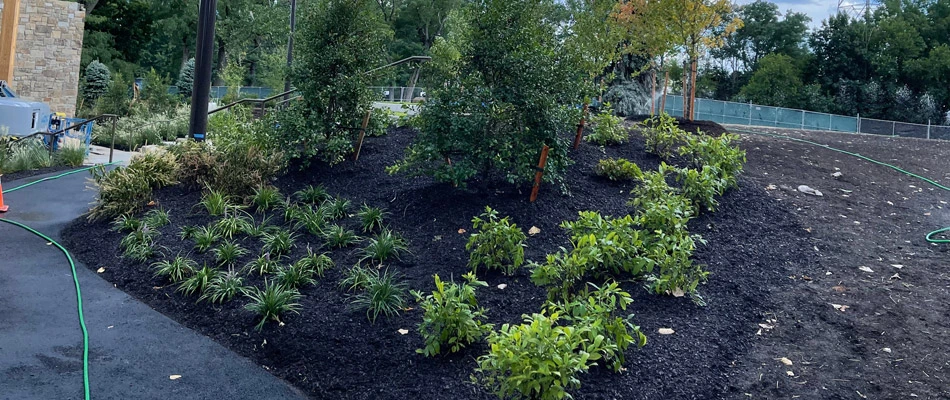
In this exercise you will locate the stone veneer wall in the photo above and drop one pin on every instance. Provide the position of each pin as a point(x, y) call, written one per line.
point(48, 53)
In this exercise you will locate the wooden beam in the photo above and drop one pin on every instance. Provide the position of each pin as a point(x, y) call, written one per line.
point(8, 30)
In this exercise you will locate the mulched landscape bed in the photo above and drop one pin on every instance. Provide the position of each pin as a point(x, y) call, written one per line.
point(34, 172)
point(329, 351)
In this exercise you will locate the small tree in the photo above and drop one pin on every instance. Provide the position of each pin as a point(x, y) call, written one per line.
point(154, 94)
point(95, 82)
point(697, 25)
point(186, 78)
point(507, 99)
point(116, 99)
point(339, 41)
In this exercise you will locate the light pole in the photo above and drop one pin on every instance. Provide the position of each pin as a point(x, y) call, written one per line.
point(290, 44)
point(201, 90)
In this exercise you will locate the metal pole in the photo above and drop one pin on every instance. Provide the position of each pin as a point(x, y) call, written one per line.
point(290, 45)
point(803, 120)
point(198, 125)
point(893, 128)
point(859, 123)
point(750, 113)
point(112, 146)
point(928, 129)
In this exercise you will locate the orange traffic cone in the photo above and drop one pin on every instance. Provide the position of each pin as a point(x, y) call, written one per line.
point(3, 208)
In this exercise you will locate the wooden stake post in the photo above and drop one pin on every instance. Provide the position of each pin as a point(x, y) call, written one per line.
point(11, 20)
point(540, 173)
point(359, 142)
point(666, 82)
point(580, 129)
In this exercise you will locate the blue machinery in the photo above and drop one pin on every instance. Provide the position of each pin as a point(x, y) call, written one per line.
point(23, 118)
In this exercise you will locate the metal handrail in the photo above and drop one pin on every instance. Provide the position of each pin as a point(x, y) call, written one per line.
point(252, 101)
point(71, 127)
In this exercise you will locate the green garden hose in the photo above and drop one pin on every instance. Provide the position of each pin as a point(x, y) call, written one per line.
point(930, 236)
point(72, 266)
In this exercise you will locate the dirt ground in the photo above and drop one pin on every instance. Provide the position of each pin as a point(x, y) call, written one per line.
point(779, 259)
point(892, 340)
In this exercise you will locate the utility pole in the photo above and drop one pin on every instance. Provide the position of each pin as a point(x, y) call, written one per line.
point(201, 91)
point(290, 45)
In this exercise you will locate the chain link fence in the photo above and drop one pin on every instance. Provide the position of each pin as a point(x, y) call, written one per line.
point(727, 112)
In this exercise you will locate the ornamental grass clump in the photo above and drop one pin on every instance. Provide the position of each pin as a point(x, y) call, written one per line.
point(271, 302)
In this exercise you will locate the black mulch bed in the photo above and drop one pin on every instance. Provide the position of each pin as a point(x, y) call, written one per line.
point(330, 351)
point(34, 172)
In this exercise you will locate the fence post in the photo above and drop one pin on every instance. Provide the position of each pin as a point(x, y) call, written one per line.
point(750, 113)
point(803, 119)
point(829, 123)
point(928, 129)
point(859, 123)
point(893, 128)
point(540, 171)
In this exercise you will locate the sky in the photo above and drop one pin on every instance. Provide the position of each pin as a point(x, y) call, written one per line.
point(818, 10)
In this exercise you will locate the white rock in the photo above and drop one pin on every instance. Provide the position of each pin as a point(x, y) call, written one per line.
point(808, 190)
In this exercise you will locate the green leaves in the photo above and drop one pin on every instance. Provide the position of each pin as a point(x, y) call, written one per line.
point(618, 169)
point(501, 102)
point(271, 302)
point(662, 135)
point(608, 128)
point(452, 318)
point(497, 244)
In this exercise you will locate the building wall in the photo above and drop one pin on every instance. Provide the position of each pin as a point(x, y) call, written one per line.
point(48, 52)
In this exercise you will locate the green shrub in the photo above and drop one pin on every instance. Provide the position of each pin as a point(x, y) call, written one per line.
point(384, 246)
point(295, 275)
point(337, 209)
point(263, 264)
point(228, 253)
point(337, 236)
point(231, 226)
point(662, 134)
point(266, 198)
point(198, 282)
point(70, 155)
point(205, 238)
point(719, 153)
point(197, 162)
point(139, 244)
point(224, 287)
point(601, 246)
point(156, 218)
point(538, 359)
point(371, 218)
point(618, 169)
point(23, 155)
point(318, 263)
point(357, 278)
point(214, 202)
point(187, 232)
point(497, 244)
point(175, 270)
point(241, 167)
point(313, 194)
point(608, 128)
point(382, 294)
point(314, 220)
point(186, 78)
point(380, 120)
point(271, 302)
point(661, 208)
point(126, 223)
point(127, 190)
point(701, 186)
point(279, 242)
point(451, 318)
point(596, 313)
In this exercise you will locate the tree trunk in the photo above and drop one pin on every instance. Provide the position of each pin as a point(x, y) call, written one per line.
point(185, 53)
point(221, 63)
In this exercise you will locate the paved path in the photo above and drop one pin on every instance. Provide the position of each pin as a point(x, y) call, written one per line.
point(133, 349)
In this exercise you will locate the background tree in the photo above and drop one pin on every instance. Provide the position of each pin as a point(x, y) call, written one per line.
point(776, 82)
point(95, 82)
point(186, 79)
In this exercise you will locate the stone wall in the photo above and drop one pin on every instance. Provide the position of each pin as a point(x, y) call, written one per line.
point(48, 52)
